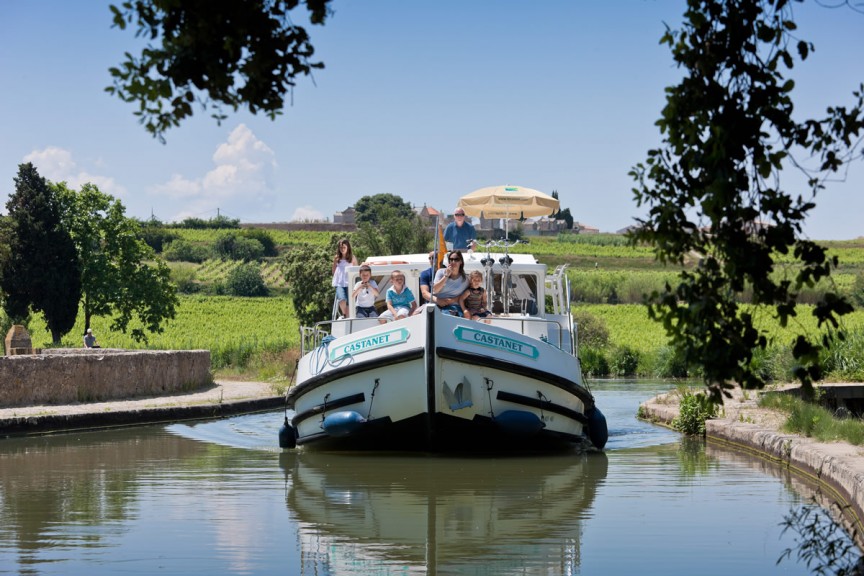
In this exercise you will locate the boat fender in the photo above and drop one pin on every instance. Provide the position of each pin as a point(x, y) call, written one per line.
point(287, 435)
point(343, 423)
point(598, 430)
point(519, 422)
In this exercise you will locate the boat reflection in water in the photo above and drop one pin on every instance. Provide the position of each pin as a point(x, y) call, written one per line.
point(427, 515)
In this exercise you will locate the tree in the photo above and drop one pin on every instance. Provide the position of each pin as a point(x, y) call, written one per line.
point(219, 53)
point(728, 132)
point(308, 274)
point(393, 233)
point(563, 214)
point(246, 280)
point(120, 274)
point(41, 272)
point(372, 209)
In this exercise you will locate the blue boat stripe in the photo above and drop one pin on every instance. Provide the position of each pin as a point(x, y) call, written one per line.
point(542, 405)
point(333, 405)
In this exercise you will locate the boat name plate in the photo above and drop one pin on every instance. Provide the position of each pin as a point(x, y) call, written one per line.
point(491, 340)
point(382, 340)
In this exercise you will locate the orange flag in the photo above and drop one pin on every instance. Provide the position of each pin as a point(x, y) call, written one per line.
point(442, 246)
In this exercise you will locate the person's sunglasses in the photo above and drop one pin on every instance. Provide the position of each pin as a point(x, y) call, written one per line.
point(457, 214)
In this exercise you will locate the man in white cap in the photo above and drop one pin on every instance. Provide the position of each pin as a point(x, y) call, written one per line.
point(90, 340)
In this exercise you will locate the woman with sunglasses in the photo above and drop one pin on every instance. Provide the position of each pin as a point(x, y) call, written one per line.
point(449, 284)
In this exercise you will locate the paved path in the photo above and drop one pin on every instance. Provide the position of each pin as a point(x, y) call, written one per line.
point(224, 398)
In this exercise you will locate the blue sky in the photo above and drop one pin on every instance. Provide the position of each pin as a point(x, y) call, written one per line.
point(426, 100)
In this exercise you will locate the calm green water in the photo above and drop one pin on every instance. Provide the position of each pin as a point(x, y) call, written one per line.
point(221, 498)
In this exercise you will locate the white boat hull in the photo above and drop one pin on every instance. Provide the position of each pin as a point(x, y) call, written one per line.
point(441, 383)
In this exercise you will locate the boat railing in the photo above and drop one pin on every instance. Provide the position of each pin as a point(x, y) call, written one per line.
point(554, 334)
point(552, 331)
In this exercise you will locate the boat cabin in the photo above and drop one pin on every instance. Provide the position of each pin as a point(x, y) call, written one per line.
point(521, 296)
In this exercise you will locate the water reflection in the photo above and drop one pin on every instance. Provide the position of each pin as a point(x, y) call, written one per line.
point(436, 515)
point(219, 498)
point(53, 488)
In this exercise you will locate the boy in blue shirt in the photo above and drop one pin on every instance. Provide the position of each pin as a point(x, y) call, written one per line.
point(400, 300)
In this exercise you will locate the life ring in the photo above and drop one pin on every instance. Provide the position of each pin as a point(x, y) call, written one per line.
point(385, 262)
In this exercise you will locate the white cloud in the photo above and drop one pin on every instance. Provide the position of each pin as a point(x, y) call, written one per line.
point(241, 185)
point(305, 214)
point(57, 165)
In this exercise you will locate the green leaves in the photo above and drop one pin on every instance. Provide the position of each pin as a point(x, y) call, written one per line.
point(225, 54)
point(120, 274)
point(713, 187)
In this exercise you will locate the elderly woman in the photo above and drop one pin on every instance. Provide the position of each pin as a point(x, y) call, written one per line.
point(449, 284)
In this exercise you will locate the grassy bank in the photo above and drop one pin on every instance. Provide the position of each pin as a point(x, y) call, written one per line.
point(258, 337)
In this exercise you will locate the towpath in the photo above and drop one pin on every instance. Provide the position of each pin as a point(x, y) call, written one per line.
point(224, 398)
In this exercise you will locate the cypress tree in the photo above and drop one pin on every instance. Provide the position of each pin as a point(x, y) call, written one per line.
point(42, 272)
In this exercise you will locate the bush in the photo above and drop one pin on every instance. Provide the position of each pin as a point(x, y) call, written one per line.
point(181, 250)
point(246, 280)
point(233, 247)
point(593, 362)
point(184, 276)
point(624, 361)
point(591, 330)
point(693, 411)
point(157, 238)
point(264, 238)
point(668, 362)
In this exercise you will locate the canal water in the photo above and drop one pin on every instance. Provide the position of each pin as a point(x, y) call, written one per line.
point(221, 498)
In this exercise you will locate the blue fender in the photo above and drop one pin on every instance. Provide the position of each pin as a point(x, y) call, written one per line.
point(343, 423)
point(519, 422)
point(597, 429)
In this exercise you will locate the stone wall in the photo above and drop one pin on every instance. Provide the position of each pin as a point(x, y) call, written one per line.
point(65, 376)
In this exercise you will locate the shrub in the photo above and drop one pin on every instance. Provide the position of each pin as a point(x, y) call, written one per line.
point(181, 250)
point(858, 290)
point(157, 238)
point(624, 361)
point(264, 238)
point(845, 358)
point(668, 362)
point(694, 410)
point(591, 330)
point(232, 247)
point(593, 362)
point(184, 276)
point(246, 280)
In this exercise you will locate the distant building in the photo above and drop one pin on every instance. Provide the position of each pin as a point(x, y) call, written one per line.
point(429, 214)
point(627, 229)
point(581, 228)
point(347, 216)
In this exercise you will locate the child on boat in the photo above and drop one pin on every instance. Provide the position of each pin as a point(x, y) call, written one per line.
point(473, 300)
point(400, 300)
point(364, 294)
point(344, 257)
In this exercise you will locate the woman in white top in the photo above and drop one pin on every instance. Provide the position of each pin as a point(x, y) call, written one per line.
point(449, 284)
point(344, 257)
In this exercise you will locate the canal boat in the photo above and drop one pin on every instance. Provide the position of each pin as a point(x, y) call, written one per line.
point(438, 382)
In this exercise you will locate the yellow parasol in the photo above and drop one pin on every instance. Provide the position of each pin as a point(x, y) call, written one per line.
point(508, 202)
